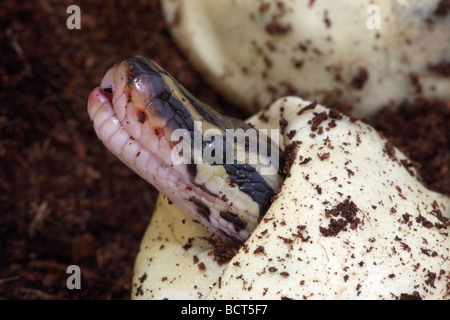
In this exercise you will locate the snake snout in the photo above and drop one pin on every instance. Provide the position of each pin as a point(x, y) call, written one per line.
point(144, 81)
point(144, 87)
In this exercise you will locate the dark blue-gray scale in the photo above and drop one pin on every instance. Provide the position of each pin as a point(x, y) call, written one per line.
point(250, 182)
point(176, 116)
point(182, 116)
point(234, 219)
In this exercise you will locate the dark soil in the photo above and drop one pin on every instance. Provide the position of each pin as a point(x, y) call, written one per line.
point(64, 199)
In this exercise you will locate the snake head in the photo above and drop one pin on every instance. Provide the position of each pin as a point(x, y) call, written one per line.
point(137, 110)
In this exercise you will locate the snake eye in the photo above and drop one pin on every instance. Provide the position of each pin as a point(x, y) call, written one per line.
point(142, 116)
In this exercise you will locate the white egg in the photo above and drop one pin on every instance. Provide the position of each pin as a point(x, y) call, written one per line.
point(352, 221)
point(337, 52)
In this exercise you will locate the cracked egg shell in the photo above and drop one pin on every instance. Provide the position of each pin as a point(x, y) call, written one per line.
point(254, 52)
point(352, 221)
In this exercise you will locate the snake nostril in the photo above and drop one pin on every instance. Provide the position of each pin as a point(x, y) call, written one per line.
point(108, 93)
